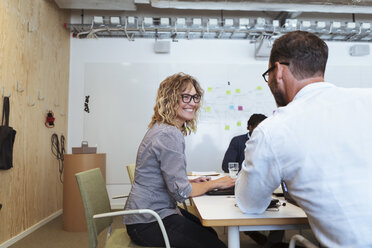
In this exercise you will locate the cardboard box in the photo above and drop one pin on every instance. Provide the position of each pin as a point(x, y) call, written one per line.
point(84, 148)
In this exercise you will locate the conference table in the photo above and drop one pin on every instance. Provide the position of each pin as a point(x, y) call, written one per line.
point(223, 211)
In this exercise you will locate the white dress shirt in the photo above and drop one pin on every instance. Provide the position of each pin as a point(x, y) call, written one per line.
point(321, 145)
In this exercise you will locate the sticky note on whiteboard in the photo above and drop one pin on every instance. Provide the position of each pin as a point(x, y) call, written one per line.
point(259, 88)
point(208, 109)
point(240, 108)
point(237, 90)
point(210, 89)
point(239, 123)
point(227, 127)
point(231, 107)
point(228, 92)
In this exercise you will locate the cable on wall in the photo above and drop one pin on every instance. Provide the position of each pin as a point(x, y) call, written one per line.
point(58, 151)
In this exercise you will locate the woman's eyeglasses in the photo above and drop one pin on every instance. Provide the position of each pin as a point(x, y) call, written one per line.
point(186, 98)
point(265, 75)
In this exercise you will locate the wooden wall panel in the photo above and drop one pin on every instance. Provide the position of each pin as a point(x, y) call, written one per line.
point(34, 50)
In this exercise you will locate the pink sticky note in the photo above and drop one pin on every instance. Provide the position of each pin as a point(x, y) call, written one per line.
point(240, 108)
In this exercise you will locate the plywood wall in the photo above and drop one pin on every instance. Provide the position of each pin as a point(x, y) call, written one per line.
point(34, 50)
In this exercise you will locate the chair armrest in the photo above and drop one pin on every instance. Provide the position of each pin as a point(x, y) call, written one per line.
point(302, 240)
point(119, 196)
point(138, 211)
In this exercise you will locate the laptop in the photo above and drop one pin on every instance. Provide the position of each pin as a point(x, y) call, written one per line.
point(228, 191)
point(286, 194)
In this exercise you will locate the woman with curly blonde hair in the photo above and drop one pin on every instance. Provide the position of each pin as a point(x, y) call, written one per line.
point(161, 178)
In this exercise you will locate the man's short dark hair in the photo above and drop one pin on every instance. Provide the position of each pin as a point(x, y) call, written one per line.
point(305, 52)
point(255, 119)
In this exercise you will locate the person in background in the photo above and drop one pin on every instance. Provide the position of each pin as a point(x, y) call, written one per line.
point(160, 179)
point(235, 151)
point(327, 175)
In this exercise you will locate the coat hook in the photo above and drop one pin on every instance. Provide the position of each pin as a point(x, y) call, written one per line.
point(39, 97)
point(20, 90)
point(28, 102)
point(3, 93)
point(55, 103)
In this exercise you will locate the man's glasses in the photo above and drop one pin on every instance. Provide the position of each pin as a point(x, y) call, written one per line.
point(265, 75)
point(186, 98)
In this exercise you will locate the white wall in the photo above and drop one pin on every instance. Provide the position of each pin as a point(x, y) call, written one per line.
point(342, 70)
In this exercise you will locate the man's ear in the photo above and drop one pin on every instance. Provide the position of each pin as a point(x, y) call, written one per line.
point(279, 72)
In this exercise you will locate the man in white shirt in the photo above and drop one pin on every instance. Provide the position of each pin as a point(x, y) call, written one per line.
point(303, 143)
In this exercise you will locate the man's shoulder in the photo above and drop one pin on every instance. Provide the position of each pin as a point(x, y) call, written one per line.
point(240, 137)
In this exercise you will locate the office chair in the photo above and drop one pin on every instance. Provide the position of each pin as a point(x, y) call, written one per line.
point(98, 212)
point(302, 240)
point(131, 168)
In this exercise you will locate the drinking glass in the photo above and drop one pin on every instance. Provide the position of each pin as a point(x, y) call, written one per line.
point(233, 169)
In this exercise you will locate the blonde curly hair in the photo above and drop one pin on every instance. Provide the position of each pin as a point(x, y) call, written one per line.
point(168, 96)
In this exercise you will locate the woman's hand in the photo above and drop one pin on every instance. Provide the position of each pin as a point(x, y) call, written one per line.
point(202, 187)
point(200, 180)
point(224, 182)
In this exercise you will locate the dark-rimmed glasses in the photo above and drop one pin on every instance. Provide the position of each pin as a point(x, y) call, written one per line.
point(265, 75)
point(186, 98)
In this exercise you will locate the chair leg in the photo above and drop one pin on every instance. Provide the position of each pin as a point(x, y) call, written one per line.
point(185, 206)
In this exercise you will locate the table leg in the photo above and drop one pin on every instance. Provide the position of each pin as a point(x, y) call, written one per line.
point(233, 237)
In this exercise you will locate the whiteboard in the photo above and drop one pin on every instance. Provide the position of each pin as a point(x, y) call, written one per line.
point(122, 97)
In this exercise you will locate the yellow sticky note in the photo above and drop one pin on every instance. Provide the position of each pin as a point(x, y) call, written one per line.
point(228, 92)
point(239, 123)
point(237, 90)
point(208, 109)
point(210, 89)
point(259, 87)
point(227, 127)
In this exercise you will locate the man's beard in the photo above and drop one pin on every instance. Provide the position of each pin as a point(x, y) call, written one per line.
point(278, 95)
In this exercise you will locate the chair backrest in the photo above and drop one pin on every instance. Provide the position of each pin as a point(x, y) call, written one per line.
point(131, 168)
point(95, 200)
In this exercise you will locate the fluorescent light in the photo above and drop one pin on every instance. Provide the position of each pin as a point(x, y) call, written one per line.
point(147, 20)
point(164, 21)
point(98, 19)
point(260, 21)
point(366, 25)
point(197, 21)
point(229, 22)
point(115, 20)
point(213, 22)
point(131, 20)
point(291, 23)
point(320, 25)
point(306, 24)
point(351, 25)
point(336, 24)
point(243, 22)
point(181, 21)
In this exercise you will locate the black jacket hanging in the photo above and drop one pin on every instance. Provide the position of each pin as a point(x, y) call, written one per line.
point(7, 137)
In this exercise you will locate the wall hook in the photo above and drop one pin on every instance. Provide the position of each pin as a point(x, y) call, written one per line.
point(3, 93)
point(55, 103)
point(28, 102)
point(39, 97)
point(20, 90)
